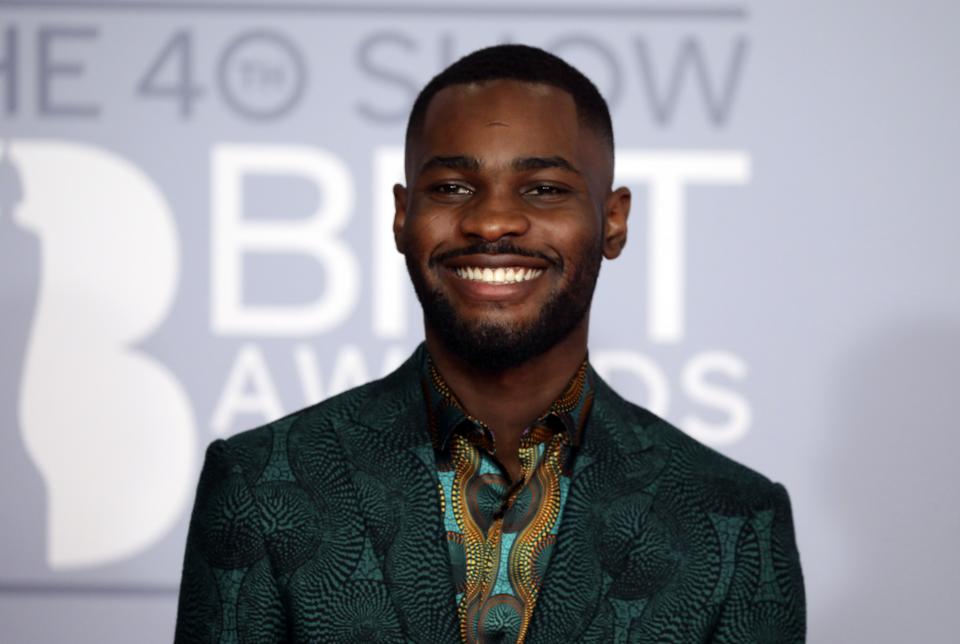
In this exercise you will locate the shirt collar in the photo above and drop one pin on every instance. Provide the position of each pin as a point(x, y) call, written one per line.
point(446, 415)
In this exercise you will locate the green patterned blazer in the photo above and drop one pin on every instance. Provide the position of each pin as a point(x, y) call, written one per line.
point(325, 526)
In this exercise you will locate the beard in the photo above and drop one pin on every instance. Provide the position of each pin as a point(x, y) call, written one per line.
point(496, 346)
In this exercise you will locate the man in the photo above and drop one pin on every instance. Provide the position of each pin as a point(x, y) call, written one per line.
point(493, 488)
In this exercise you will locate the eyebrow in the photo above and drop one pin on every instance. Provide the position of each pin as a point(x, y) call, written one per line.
point(541, 163)
point(472, 164)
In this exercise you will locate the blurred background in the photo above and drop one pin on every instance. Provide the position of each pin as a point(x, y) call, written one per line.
point(194, 239)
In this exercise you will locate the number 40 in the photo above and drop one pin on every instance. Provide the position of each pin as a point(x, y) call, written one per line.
point(261, 75)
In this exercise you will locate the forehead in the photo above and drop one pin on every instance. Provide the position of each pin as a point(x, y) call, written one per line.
point(492, 99)
point(501, 114)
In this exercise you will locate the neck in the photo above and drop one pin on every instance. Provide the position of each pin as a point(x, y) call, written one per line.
point(508, 401)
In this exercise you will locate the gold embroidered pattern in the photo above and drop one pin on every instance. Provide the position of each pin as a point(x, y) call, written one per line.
point(500, 536)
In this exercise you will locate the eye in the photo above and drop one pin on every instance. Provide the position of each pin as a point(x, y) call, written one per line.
point(451, 189)
point(546, 190)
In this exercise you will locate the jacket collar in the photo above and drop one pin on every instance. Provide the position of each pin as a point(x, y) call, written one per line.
point(618, 462)
point(416, 563)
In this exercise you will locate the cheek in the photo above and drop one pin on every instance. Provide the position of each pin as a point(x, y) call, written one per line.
point(425, 233)
point(576, 242)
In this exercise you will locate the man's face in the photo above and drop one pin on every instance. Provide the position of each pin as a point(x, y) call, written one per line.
point(506, 216)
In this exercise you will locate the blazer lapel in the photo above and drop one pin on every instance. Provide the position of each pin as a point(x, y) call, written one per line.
point(416, 562)
point(616, 460)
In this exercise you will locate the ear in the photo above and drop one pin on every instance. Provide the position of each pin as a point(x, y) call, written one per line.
point(399, 214)
point(615, 213)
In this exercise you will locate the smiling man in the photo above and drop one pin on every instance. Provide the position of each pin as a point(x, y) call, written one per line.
point(493, 488)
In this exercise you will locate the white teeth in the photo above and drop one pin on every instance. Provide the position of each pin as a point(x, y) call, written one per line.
point(508, 275)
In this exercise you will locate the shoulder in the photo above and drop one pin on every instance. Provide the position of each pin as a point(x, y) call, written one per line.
point(265, 450)
point(689, 468)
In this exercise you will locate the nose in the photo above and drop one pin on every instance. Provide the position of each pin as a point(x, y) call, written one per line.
point(494, 217)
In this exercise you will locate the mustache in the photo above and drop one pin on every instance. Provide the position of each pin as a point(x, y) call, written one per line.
point(502, 247)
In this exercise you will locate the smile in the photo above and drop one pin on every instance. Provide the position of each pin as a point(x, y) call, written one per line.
point(500, 275)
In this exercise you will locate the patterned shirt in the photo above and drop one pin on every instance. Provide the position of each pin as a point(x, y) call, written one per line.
point(500, 536)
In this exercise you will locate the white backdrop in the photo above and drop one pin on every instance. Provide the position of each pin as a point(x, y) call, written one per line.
point(194, 239)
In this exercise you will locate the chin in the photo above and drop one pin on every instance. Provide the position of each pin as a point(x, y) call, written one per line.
point(492, 343)
point(495, 344)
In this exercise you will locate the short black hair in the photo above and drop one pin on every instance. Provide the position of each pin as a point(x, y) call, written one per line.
point(521, 63)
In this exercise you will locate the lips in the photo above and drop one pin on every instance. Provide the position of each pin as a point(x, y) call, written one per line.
point(499, 275)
